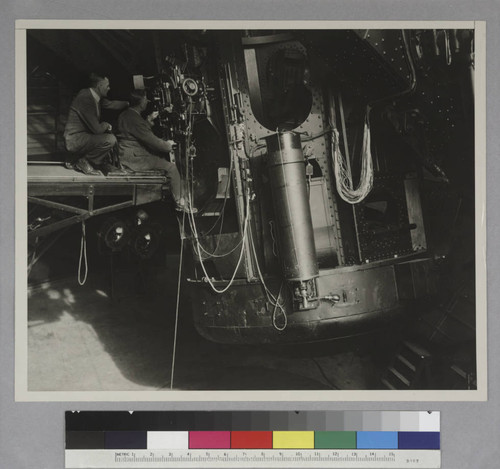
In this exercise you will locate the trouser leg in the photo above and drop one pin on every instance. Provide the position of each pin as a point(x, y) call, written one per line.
point(100, 147)
point(150, 161)
point(174, 178)
point(94, 147)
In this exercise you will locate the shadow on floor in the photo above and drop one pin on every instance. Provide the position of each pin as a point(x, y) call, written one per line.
point(82, 339)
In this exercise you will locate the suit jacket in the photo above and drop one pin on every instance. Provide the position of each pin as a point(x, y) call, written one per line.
point(83, 114)
point(136, 139)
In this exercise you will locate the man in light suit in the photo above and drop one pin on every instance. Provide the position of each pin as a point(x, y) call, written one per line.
point(141, 150)
point(89, 140)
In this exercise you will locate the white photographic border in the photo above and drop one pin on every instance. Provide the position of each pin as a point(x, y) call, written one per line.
point(21, 369)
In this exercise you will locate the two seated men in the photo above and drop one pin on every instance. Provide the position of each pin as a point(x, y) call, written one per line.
point(91, 142)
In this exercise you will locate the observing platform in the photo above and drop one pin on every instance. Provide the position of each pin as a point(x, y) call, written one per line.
point(67, 191)
point(42, 174)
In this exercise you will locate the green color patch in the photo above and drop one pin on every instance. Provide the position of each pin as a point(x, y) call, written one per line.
point(335, 440)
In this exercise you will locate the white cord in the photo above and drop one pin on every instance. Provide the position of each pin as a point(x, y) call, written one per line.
point(177, 303)
point(285, 318)
point(270, 297)
point(216, 256)
point(192, 223)
point(197, 246)
point(246, 233)
point(343, 175)
point(83, 253)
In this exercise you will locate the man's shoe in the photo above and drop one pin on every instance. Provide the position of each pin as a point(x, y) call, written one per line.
point(108, 168)
point(85, 167)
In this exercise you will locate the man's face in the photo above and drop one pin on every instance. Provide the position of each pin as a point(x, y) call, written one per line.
point(144, 103)
point(103, 87)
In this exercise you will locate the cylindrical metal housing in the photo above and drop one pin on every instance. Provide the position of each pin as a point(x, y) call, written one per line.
point(287, 177)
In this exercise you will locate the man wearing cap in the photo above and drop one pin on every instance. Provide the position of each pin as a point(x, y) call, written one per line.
point(89, 140)
point(141, 150)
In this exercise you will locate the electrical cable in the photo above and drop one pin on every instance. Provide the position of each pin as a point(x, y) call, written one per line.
point(218, 256)
point(246, 233)
point(274, 301)
point(343, 174)
point(285, 318)
point(177, 302)
point(270, 297)
point(308, 138)
point(240, 258)
point(192, 223)
point(191, 198)
point(221, 218)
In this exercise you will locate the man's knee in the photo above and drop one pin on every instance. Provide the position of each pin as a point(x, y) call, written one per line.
point(74, 145)
point(165, 165)
point(171, 168)
point(109, 140)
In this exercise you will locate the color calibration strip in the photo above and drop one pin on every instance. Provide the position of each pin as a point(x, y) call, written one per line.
point(137, 440)
point(218, 440)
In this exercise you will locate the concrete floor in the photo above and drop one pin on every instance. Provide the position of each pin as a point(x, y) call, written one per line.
point(81, 339)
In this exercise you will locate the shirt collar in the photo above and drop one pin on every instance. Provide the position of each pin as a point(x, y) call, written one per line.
point(95, 95)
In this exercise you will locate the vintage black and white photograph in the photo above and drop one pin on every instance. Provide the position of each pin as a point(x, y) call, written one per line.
point(250, 209)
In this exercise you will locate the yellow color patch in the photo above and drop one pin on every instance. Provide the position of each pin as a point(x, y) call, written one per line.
point(293, 440)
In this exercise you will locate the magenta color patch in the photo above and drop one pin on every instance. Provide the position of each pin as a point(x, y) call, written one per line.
point(209, 440)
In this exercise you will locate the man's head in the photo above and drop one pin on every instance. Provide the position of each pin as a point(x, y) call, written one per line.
point(138, 100)
point(100, 84)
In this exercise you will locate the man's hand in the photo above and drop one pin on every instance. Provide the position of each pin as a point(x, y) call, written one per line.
point(109, 127)
point(172, 144)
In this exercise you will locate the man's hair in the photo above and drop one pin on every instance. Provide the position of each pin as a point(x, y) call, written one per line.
point(95, 78)
point(136, 97)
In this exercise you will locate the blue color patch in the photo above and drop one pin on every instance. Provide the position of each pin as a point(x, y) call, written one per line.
point(126, 440)
point(377, 440)
point(419, 440)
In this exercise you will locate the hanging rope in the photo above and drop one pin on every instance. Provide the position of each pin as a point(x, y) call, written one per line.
point(343, 174)
point(83, 255)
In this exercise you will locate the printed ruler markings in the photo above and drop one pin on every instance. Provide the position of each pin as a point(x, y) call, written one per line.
point(258, 459)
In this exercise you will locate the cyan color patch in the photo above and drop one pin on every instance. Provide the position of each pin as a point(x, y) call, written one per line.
point(377, 440)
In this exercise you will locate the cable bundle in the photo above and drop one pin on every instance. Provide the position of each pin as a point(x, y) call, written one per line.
point(343, 174)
